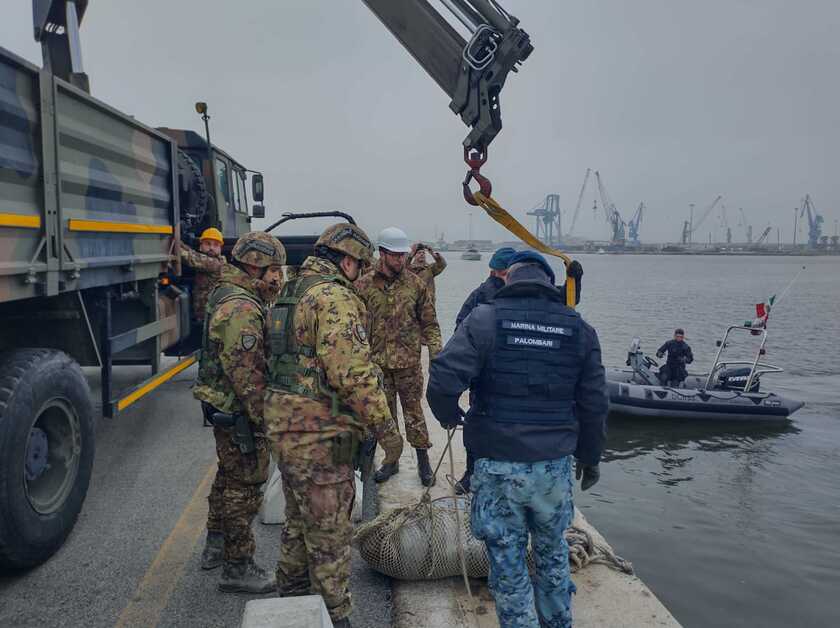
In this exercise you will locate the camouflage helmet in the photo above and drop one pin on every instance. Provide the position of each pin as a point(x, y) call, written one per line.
point(259, 249)
point(349, 239)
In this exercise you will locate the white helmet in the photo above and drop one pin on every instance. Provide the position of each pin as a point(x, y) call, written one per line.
point(394, 240)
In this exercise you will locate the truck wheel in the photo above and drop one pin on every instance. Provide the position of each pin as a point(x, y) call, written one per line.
point(46, 453)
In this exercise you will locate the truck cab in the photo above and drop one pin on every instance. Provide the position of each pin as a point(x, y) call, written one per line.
point(226, 183)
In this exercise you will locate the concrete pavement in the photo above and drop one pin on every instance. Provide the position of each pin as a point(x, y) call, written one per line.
point(604, 598)
point(133, 558)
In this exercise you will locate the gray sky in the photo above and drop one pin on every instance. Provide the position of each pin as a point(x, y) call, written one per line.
point(674, 102)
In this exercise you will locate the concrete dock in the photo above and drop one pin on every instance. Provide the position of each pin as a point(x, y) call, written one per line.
point(605, 597)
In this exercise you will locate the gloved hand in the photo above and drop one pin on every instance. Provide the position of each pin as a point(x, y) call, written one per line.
point(445, 408)
point(590, 474)
point(660, 355)
point(575, 270)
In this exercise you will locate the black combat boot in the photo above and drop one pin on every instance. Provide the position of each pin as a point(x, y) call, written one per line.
point(342, 623)
point(212, 556)
point(386, 471)
point(245, 576)
point(424, 469)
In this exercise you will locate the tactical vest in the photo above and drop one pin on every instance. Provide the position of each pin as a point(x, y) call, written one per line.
point(212, 385)
point(290, 364)
point(532, 373)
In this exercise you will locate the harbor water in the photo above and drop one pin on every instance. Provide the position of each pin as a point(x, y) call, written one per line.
point(730, 525)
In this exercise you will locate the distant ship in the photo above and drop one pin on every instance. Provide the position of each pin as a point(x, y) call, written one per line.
point(471, 254)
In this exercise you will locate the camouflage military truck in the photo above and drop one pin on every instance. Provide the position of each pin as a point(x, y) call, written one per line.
point(92, 206)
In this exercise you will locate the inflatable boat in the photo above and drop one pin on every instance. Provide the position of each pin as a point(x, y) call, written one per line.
point(731, 391)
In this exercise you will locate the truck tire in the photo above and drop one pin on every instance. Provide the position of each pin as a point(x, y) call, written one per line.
point(193, 194)
point(46, 453)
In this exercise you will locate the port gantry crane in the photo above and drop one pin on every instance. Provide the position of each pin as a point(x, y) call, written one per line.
point(614, 219)
point(634, 225)
point(549, 220)
point(815, 222)
point(690, 226)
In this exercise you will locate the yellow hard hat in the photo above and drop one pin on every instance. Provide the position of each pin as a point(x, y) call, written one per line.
point(212, 233)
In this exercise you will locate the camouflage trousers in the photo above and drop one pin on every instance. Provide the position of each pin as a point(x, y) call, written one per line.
point(235, 496)
point(408, 384)
point(511, 500)
point(315, 548)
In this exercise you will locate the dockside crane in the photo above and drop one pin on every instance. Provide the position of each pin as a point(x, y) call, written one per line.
point(763, 236)
point(579, 201)
point(634, 224)
point(690, 226)
point(614, 219)
point(815, 222)
point(549, 220)
point(742, 222)
point(724, 224)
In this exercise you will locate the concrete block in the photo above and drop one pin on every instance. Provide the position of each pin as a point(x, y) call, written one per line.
point(307, 611)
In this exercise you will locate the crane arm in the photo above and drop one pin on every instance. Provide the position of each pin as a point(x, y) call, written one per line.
point(472, 73)
point(706, 213)
point(580, 200)
point(763, 235)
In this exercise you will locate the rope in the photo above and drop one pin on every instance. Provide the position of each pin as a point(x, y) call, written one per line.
point(503, 217)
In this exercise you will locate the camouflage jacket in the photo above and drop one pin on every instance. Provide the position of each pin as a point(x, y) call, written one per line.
point(231, 373)
point(430, 271)
point(207, 270)
point(329, 320)
point(401, 317)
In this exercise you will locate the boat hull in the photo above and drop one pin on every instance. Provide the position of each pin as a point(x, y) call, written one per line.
point(630, 398)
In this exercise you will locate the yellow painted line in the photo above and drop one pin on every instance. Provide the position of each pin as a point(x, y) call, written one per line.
point(109, 226)
point(19, 220)
point(151, 596)
point(157, 381)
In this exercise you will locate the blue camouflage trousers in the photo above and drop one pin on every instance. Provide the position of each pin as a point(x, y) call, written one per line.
point(511, 500)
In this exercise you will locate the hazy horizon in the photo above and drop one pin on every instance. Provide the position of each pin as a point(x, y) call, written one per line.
point(674, 103)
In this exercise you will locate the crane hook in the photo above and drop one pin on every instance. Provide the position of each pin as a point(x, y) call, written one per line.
point(475, 158)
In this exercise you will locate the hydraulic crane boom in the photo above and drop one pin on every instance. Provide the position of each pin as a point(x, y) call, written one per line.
point(472, 73)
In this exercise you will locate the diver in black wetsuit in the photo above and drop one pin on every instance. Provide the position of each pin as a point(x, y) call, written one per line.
point(673, 372)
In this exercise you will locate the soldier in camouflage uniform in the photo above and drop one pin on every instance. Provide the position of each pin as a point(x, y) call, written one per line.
point(401, 317)
point(427, 272)
point(231, 380)
point(534, 367)
point(324, 396)
point(207, 263)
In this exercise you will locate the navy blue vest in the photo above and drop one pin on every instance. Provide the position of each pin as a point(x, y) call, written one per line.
point(524, 398)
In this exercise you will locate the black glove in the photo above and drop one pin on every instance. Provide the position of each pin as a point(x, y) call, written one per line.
point(659, 354)
point(445, 408)
point(590, 474)
point(575, 270)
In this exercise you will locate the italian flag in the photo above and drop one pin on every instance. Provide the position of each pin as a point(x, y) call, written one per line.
point(762, 312)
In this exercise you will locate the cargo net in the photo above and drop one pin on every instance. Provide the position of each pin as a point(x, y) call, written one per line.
point(427, 541)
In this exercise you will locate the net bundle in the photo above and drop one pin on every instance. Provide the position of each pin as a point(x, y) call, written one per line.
point(423, 542)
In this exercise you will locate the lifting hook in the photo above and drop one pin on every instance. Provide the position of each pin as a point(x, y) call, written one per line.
point(475, 158)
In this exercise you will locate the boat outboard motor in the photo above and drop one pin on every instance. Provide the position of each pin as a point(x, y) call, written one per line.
point(736, 379)
point(641, 364)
